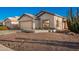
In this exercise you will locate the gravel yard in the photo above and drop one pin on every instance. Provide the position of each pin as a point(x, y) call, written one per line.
point(40, 41)
point(49, 36)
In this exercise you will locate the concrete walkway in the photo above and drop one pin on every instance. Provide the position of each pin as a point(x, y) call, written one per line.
point(7, 32)
point(3, 48)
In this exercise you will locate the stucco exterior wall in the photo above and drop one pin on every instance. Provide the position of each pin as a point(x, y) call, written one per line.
point(25, 18)
point(60, 20)
point(37, 24)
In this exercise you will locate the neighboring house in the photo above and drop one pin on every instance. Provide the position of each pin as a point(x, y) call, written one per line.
point(1, 23)
point(11, 22)
point(46, 20)
point(43, 20)
point(27, 22)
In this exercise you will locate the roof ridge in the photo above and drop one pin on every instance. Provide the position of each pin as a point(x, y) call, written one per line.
point(51, 13)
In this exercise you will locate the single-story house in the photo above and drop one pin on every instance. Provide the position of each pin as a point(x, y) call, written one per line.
point(11, 22)
point(43, 20)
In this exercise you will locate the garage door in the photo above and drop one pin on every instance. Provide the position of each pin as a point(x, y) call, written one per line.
point(26, 25)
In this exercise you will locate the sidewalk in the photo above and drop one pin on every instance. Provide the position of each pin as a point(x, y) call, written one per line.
point(3, 48)
point(5, 32)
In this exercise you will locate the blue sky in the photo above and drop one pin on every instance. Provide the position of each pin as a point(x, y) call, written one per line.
point(18, 11)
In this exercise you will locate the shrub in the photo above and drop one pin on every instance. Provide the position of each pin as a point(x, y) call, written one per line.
point(28, 31)
point(4, 28)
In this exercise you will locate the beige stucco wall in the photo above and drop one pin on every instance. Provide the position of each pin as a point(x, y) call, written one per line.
point(25, 18)
point(60, 19)
point(37, 24)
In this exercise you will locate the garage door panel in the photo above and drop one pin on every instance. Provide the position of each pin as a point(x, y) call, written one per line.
point(26, 25)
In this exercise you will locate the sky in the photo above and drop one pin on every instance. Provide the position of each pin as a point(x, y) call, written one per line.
point(18, 11)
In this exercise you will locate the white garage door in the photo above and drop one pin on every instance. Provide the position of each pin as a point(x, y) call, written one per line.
point(26, 25)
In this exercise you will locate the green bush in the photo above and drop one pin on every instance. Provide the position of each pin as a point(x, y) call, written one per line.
point(4, 28)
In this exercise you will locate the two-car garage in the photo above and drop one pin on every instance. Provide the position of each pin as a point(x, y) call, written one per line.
point(26, 22)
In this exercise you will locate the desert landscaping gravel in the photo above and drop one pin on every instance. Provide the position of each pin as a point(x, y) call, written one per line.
point(40, 41)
